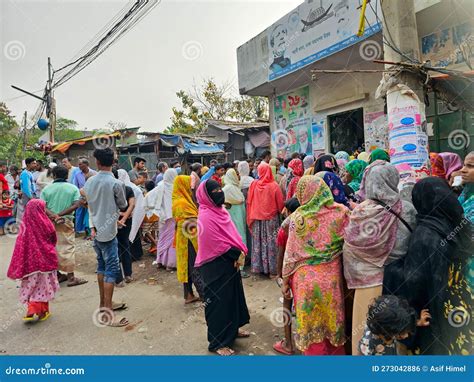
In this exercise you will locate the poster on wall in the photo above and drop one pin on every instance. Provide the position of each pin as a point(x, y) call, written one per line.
point(317, 131)
point(293, 123)
point(314, 30)
point(408, 139)
point(376, 131)
point(446, 47)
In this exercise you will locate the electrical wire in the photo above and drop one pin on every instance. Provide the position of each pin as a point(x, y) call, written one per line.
point(139, 10)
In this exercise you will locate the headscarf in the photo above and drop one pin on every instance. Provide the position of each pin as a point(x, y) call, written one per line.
point(138, 213)
point(437, 166)
point(185, 213)
point(217, 233)
point(335, 185)
point(342, 155)
point(164, 195)
point(365, 156)
point(296, 166)
point(244, 170)
point(233, 193)
point(356, 168)
point(379, 154)
point(326, 162)
point(341, 163)
point(264, 199)
point(316, 228)
point(452, 162)
point(372, 231)
point(204, 169)
point(308, 161)
point(35, 246)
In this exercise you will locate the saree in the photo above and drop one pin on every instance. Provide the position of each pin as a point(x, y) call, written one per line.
point(312, 261)
point(185, 214)
point(235, 197)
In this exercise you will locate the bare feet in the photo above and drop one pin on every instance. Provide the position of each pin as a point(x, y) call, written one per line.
point(225, 351)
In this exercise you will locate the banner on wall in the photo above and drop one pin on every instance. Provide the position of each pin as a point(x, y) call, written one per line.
point(314, 30)
point(293, 123)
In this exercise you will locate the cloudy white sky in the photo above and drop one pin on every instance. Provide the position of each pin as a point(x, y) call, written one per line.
point(135, 81)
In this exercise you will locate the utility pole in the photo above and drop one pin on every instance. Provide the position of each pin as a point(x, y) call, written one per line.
point(25, 117)
point(51, 105)
point(408, 139)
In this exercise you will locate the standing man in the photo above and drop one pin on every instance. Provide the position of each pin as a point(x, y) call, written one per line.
point(40, 169)
point(266, 156)
point(106, 197)
point(66, 162)
point(62, 199)
point(138, 166)
point(161, 167)
point(79, 180)
point(27, 187)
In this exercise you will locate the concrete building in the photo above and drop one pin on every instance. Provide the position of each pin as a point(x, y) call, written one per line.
point(315, 112)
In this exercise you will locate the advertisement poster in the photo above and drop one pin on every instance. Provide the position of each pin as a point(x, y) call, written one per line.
point(314, 30)
point(408, 140)
point(376, 131)
point(446, 47)
point(293, 123)
point(317, 129)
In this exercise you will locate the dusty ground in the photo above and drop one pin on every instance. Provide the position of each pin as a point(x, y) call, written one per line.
point(160, 323)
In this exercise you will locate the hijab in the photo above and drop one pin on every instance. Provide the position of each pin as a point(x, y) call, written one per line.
point(372, 231)
point(264, 199)
point(233, 193)
point(335, 185)
point(138, 213)
point(296, 166)
point(216, 231)
point(363, 156)
point(316, 228)
point(308, 162)
point(185, 213)
point(164, 192)
point(437, 166)
point(244, 171)
point(379, 154)
point(326, 162)
point(342, 155)
point(35, 246)
point(452, 162)
point(356, 168)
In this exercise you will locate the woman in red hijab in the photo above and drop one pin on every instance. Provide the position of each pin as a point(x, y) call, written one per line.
point(264, 204)
point(35, 261)
point(296, 172)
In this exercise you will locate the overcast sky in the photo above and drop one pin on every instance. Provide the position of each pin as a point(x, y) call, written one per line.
point(135, 81)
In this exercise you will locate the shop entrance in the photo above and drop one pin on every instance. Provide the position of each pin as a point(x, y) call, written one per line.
point(346, 131)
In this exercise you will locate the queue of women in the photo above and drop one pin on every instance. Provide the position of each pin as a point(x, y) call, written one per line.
point(361, 270)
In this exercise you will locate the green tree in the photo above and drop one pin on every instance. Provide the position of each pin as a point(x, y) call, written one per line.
point(212, 101)
point(66, 130)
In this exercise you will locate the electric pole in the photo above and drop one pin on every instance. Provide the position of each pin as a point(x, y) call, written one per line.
point(25, 117)
point(408, 139)
point(51, 105)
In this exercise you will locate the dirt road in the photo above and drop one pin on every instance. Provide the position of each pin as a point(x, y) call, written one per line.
point(160, 322)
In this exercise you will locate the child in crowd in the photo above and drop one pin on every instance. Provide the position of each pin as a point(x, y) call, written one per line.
point(389, 320)
point(35, 261)
point(6, 211)
point(150, 221)
point(285, 346)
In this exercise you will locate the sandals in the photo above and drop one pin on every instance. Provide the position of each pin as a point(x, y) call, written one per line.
point(119, 306)
point(225, 351)
point(279, 348)
point(45, 316)
point(243, 334)
point(76, 281)
point(118, 323)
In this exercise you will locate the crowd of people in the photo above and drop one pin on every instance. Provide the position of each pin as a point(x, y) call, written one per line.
point(362, 271)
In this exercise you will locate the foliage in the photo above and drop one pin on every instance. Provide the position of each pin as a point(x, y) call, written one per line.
point(116, 125)
point(212, 101)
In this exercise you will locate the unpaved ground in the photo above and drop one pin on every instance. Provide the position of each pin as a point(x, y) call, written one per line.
point(160, 323)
